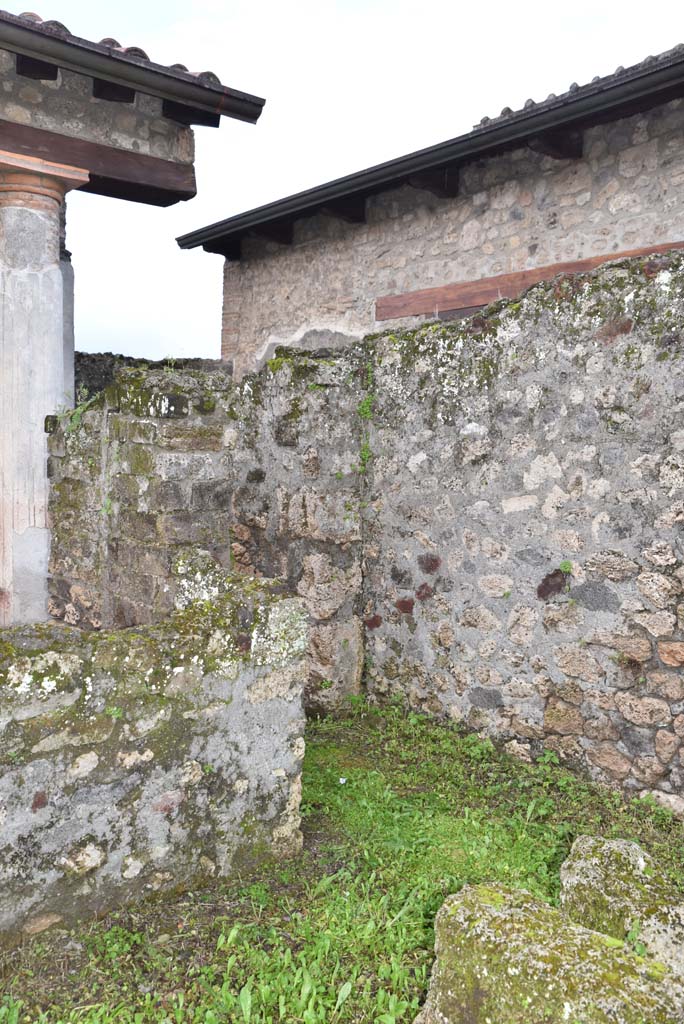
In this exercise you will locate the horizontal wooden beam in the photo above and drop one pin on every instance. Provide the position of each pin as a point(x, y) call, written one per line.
point(38, 70)
point(110, 91)
point(184, 114)
point(465, 294)
point(113, 172)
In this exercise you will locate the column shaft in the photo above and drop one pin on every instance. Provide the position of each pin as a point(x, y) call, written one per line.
point(31, 382)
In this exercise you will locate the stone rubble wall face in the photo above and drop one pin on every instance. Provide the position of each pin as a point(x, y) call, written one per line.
point(136, 761)
point(68, 107)
point(500, 501)
point(257, 475)
point(516, 211)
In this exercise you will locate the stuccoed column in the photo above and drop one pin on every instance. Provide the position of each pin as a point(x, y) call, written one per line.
point(32, 383)
point(68, 311)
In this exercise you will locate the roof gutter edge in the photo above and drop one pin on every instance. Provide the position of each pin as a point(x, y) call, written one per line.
point(479, 142)
point(156, 80)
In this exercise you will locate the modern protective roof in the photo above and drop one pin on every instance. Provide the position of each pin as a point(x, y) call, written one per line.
point(552, 126)
point(188, 97)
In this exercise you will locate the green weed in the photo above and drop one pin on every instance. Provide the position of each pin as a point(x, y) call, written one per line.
point(398, 812)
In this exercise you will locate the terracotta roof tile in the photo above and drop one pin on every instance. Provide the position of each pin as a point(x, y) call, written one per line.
point(649, 63)
point(52, 42)
point(57, 28)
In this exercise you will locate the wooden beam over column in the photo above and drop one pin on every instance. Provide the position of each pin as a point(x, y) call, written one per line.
point(113, 172)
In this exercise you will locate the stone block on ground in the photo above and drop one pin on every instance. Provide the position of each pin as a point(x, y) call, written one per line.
point(614, 886)
point(508, 958)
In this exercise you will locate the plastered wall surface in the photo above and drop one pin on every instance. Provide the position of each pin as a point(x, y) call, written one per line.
point(132, 761)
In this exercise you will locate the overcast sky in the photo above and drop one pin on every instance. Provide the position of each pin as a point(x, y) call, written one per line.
point(347, 84)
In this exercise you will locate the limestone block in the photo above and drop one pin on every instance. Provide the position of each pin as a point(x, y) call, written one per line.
point(610, 761)
point(335, 663)
point(660, 590)
point(578, 662)
point(321, 516)
point(671, 653)
point(646, 711)
point(326, 587)
point(507, 957)
point(611, 564)
point(563, 718)
point(613, 886)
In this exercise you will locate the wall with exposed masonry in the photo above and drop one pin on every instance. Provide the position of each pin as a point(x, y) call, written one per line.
point(514, 212)
point(499, 502)
point(68, 107)
point(137, 760)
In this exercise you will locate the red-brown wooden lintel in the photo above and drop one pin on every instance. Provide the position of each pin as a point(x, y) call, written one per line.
point(465, 294)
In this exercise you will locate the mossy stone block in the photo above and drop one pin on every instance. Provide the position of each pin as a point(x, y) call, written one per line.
point(614, 886)
point(507, 958)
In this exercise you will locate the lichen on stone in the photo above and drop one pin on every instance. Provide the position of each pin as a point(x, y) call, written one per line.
point(505, 956)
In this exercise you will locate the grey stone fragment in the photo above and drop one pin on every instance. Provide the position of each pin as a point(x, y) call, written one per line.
point(484, 697)
point(597, 597)
point(133, 761)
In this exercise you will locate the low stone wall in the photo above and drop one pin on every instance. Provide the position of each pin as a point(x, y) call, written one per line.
point(149, 758)
point(259, 475)
point(500, 501)
point(514, 211)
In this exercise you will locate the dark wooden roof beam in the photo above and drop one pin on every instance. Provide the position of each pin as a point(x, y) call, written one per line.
point(281, 232)
point(184, 114)
point(350, 208)
point(120, 173)
point(565, 144)
point(230, 248)
point(111, 91)
point(442, 181)
point(38, 70)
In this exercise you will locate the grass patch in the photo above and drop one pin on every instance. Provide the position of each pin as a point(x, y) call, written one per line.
point(399, 811)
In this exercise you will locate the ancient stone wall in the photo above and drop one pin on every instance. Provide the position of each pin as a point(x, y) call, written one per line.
point(137, 760)
point(68, 107)
point(500, 501)
point(514, 212)
point(259, 475)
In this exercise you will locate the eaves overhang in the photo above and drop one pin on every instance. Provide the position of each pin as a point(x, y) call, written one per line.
point(51, 43)
point(650, 83)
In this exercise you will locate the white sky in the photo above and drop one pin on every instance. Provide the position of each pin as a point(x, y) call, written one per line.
point(347, 84)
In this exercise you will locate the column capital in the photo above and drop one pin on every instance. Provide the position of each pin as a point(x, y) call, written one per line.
point(31, 181)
